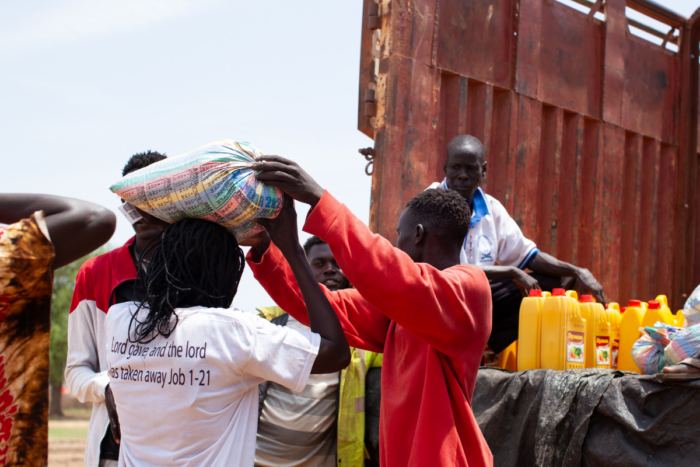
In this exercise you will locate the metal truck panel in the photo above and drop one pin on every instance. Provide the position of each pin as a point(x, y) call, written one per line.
point(590, 132)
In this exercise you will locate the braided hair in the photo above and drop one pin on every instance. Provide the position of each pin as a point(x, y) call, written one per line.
point(194, 263)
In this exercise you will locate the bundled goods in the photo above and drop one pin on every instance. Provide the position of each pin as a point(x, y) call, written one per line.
point(215, 182)
point(685, 344)
point(648, 351)
point(691, 310)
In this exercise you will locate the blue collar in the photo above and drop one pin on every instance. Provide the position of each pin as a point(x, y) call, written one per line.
point(480, 207)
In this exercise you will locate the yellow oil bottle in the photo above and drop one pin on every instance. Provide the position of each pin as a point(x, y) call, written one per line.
point(658, 312)
point(662, 299)
point(614, 320)
point(668, 314)
point(507, 359)
point(629, 333)
point(571, 294)
point(563, 335)
point(597, 333)
point(613, 305)
point(530, 330)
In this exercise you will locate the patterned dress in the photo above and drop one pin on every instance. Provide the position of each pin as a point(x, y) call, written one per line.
point(26, 281)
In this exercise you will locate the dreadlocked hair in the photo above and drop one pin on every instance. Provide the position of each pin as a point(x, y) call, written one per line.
point(194, 263)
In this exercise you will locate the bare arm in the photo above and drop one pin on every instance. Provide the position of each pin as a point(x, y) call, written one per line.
point(522, 280)
point(76, 227)
point(547, 264)
point(334, 352)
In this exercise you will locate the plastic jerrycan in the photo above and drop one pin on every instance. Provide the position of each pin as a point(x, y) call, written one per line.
point(563, 336)
point(629, 333)
point(507, 357)
point(657, 312)
point(668, 314)
point(614, 318)
point(529, 331)
point(597, 333)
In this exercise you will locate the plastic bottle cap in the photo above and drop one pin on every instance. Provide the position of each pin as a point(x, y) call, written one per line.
point(654, 305)
point(636, 303)
point(623, 309)
point(535, 293)
point(587, 299)
point(558, 292)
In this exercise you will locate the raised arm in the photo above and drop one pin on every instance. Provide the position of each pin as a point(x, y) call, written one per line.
point(448, 309)
point(76, 227)
point(365, 327)
point(334, 352)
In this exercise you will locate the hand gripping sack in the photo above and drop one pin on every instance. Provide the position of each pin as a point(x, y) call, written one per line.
point(215, 183)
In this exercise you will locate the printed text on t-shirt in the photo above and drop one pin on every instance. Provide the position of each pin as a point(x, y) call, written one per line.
point(169, 350)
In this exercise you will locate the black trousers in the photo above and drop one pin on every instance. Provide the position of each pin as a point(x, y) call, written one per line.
point(506, 298)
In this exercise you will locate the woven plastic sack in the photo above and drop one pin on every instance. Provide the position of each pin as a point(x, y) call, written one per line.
point(691, 309)
point(685, 344)
point(648, 351)
point(215, 183)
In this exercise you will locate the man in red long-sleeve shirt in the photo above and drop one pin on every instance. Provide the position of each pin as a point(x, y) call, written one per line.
point(430, 315)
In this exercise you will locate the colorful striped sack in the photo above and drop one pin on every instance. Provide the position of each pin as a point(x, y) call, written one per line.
point(215, 183)
point(648, 351)
point(685, 344)
point(691, 309)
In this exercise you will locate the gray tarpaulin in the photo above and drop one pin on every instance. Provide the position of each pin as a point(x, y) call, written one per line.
point(587, 418)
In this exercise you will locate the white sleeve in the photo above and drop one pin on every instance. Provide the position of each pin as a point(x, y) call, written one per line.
point(514, 249)
point(83, 376)
point(282, 355)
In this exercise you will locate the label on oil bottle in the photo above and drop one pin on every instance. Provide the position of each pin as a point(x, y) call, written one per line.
point(602, 350)
point(574, 346)
point(615, 349)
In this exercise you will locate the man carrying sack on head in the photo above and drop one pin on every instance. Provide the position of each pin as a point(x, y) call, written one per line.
point(430, 315)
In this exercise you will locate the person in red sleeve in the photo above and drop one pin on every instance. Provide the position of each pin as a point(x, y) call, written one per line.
point(101, 282)
point(429, 315)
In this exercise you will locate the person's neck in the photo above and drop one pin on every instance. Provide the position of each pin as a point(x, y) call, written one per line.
point(439, 258)
point(139, 246)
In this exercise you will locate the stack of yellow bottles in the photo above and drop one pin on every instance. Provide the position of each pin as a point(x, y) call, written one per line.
point(563, 333)
point(558, 332)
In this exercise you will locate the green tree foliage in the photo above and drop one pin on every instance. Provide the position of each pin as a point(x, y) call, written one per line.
point(63, 286)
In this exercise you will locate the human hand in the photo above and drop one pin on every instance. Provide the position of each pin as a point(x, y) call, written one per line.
point(112, 414)
point(587, 282)
point(260, 242)
point(289, 177)
point(283, 230)
point(525, 282)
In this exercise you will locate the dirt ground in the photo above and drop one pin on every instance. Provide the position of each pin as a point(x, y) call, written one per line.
point(67, 438)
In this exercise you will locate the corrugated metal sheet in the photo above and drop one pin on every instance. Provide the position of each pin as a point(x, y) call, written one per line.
point(590, 131)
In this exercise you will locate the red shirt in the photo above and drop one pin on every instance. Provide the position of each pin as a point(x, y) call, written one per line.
point(431, 325)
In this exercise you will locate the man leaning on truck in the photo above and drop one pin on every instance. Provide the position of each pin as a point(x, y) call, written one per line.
point(496, 244)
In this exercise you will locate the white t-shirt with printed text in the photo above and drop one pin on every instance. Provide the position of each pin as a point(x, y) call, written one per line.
point(494, 238)
point(192, 399)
